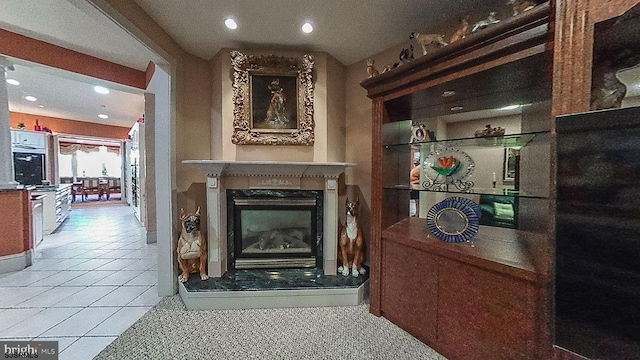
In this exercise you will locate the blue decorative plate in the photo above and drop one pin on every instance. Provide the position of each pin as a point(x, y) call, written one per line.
point(454, 219)
point(467, 202)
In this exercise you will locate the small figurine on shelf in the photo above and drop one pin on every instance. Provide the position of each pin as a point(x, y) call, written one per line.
point(483, 24)
point(488, 131)
point(425, 40)
point(371, 68)
point(388, 67)
point(520, 6)
point(419, 133)
point(37, 126)
point(462, 31)
point(21, 126)
point(406, 55)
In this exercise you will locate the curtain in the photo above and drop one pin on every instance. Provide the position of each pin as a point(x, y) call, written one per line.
point(67, 148)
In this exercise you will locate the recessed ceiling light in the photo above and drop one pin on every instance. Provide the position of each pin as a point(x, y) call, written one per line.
point(13, 82)
point(30, 98)
point(103, 116)
point(307, 28)
point(101, 89)
point(448, 93)
point(457, 108)
point(231, 24)
point(510, 107)
point(40, 106)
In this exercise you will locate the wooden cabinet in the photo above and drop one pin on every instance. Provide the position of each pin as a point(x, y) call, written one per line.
point(412, 308)
point(487, 298)
point(480, 301)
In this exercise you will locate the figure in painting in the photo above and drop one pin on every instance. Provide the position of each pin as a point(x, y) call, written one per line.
point(276, 112)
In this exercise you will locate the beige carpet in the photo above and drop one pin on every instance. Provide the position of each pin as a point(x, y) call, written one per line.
point(169, 331)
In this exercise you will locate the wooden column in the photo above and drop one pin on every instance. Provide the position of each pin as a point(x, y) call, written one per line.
point(572, 53)
point(574, 24)
point(375, 251)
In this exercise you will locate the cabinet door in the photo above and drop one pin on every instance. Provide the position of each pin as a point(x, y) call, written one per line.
point(409, 289)
point(484, 315)
point(31, 139)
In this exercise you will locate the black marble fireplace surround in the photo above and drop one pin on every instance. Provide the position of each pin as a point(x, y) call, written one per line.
point(274, 229)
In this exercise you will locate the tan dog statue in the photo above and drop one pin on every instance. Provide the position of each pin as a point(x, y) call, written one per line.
point(520, 6)
point(462, 31)
point(351, 242)
point(192, 247)
point(371, 68)
point(424, 40)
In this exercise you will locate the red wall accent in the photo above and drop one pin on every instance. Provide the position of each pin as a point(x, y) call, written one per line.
point(15, 227)
point(22, 47)
point(66, 126)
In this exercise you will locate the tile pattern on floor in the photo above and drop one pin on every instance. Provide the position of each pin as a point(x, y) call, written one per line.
point(91, 280)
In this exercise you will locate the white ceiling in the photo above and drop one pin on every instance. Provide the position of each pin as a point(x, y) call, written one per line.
point(349, 30)
point(67, 95)
point(75, 25)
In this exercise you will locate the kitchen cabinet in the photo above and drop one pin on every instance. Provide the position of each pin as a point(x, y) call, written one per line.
point(57, 205)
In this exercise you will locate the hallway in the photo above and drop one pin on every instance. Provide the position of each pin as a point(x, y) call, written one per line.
point(91, 280)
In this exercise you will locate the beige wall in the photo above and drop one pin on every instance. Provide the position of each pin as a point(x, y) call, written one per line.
point(336, 110)
point(193, 126)
point(358, 144)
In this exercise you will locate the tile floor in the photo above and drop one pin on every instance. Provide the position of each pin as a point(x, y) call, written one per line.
point(91, 280)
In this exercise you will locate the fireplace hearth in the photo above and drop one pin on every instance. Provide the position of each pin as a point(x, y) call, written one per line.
point(274, 229)
point(269, 284)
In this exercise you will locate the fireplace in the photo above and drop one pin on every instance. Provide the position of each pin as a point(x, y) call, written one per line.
point(270, 229)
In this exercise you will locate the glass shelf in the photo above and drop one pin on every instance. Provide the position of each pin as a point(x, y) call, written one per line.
point(476, 191)
point(504, 141)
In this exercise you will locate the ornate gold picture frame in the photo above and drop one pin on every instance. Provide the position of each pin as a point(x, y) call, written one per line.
point(273, 100)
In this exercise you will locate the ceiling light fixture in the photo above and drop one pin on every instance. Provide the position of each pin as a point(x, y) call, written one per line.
point(448, 93)
point(30, 98)
point(13, 82)
point(510, 107)
point(101, 90)
point(457, 108)
point(307, 28)
point(103, 116)
point(231, 24)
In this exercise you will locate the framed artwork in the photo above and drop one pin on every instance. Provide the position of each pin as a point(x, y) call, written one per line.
point(273, 100)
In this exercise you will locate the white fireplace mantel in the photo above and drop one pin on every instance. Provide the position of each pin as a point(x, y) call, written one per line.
point(217, 168)
point(268, 175)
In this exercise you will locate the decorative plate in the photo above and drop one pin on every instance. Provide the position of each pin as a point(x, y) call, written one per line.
point(469, 203)
point(454, 219)
point(446, 166)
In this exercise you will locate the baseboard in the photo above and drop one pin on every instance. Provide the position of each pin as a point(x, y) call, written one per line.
point(15, 262)
point(152, 237)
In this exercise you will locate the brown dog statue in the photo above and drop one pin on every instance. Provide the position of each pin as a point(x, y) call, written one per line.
point(351, 242)
point(192, 247)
